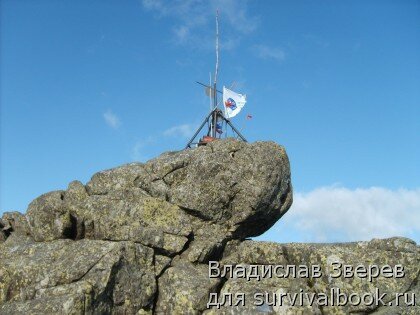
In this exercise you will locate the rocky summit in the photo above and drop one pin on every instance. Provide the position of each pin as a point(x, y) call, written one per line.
point(170, 236)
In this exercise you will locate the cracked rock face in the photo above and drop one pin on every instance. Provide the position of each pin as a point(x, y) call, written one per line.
point(137, 239)
point(68, 277)
point(226, 190)
point(393, 251)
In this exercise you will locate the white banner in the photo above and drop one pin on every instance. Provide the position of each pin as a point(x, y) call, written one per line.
point(233, 102)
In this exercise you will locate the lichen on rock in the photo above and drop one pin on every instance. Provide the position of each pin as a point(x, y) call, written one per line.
point(137, 239)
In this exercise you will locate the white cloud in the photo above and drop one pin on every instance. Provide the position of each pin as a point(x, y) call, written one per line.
point(182, 33)
point(266, 52)
point(361, 214)
point(139, 151)
point(111, 119)
point(136, 153)
point(154, 5)
point(194, 18)
point(236, 13)
point(185, 131)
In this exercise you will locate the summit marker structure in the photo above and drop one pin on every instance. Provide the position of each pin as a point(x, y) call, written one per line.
point(218, 121)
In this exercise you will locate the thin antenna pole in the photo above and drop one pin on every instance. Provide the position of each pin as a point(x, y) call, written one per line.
point(211, 105)
point(215, 114)
point(217, 47)
point(214, 118)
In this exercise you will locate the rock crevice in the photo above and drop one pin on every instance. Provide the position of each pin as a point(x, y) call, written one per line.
point(137, 239)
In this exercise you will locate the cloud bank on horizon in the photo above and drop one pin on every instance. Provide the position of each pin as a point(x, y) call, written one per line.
point(335, 213)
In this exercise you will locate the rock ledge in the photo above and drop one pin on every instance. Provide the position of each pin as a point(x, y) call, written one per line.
point(137, 239)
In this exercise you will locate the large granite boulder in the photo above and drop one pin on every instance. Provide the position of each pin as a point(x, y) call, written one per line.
point(225, 190)
point(137, 239)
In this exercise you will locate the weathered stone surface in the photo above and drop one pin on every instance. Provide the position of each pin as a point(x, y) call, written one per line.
point(391, 252)
point(13, 222)
point(118, 215)
point(137, 239)
point(61, 304)
point(226, 190)
point(184, 289)
point(245, 187)
point(48, 217)
point(71, 277)
point(376, 252)
point(161, 263)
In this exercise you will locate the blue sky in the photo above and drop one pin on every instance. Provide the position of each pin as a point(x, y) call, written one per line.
point(90, 85)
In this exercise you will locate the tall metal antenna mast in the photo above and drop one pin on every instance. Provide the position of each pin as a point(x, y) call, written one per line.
point(214, 118)
point(215, 114)
point(217, 47)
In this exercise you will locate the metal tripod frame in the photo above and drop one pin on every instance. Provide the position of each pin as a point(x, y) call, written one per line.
point(211, 120)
